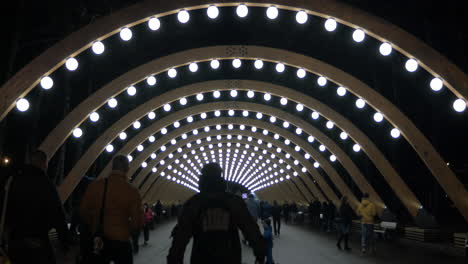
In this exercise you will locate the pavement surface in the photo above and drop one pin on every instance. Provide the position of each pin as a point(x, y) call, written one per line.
point(300, 244)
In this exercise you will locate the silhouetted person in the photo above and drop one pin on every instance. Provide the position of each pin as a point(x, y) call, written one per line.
point(286, 210)
point(268, 235)
point(148, 215)
point(324, 215)
point(213, 217)
point(367, 212)
point(123, 212)
point(276, 213)
point(344, 219)
point(158, 210)
point(34, 208)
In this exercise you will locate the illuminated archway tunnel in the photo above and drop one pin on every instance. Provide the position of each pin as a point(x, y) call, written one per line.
point(328, 108)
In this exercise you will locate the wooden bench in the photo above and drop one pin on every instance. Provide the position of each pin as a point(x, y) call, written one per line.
point(384, 229)
point(459, 240)
point(422, 235)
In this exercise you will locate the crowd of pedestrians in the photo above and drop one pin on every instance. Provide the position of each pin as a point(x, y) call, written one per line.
point(111, 218)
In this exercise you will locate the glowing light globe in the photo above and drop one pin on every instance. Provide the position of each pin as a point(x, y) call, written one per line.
point(77, 132)
point(272, 12)
point(358, 35)
point(385, 49)
point(301, 17)
point(183, 16)
point(330, 24)
point(154, 23)
point(212, 12)
point(125, 34)
point(242, 10)
point(411, 65)
point(47, 83)
point(98, 47)
point(71, 64)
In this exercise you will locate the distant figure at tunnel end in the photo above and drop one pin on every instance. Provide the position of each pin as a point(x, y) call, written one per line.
point(213, 218)
point(367, 212)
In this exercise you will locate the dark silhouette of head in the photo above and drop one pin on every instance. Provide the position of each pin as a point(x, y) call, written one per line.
point(365, 196)
point(250, 196)
point(120, 163)
point(39, 159)
point(211, 179)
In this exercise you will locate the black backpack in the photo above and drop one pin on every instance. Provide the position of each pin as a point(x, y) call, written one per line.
point(216, 234)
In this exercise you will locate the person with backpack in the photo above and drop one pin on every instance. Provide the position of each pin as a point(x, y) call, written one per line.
point(367, 212)
point(32, 193)
point(343, 220)
point(212, 217)
point(114, 206)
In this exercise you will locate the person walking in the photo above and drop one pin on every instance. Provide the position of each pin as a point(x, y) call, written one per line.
point(33, 209)
point(286, 209)
point(268, 235)
point(343, 220)
point(148, 220)
point(276, 213)
point(367, 212)
point(212, 217)
point(122, 215)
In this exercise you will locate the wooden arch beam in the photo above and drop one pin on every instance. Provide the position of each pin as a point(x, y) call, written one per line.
point(314, 191)
point(144, 172)
point(154, 187)
point(417, 140)
point(381, 163)
point(28, 77)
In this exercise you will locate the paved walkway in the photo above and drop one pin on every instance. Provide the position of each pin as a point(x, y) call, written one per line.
point(301, 245)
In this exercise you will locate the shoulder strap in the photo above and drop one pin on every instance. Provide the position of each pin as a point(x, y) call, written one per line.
point(4, 210)
point(100, 227)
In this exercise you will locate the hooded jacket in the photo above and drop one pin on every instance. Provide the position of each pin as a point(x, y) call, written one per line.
point(367, 212)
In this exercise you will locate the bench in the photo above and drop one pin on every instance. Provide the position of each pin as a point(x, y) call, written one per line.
point(422, 235)
point(384, 228)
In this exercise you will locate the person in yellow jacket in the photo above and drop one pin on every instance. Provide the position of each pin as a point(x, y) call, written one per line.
point(367, 212)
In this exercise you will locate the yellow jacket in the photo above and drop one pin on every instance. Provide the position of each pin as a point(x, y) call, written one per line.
point(367, 212)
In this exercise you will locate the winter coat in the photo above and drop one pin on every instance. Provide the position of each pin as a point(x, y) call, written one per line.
point(367, 212)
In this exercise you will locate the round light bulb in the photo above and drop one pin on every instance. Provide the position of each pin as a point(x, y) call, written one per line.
point(299, 107)
point(459, 105)
point(360, 103)
point(200, 97)
point(258, 64)
point(167, 107)
point(242, 10)
point(154, 23)
point(183, 101)
point(136, 125)
point(284, 101)
point(47, 83)
point(151, 115)
point(77, 132)
point(322, 81)
point(411, 65)
point(330, 24)
point(436, 84)
point(343, 135)
point(94, 116)
point(193, 67)
point(112, 103)
point(301, 73)
point(233, 93)
point(183, 16)
point(98, 47)
point(71, 64)
point(341, 91)
point(212, 12)
point(301, 17)
point(280, 67)
point(385, 49)
point(214, 64)
point(123, 135)
point(272, 119)
point(131, 90)
point(130, 158)
point(272, 12)
point(395, 133)
point(378, 117)
point(236, 63)
point(151, 139)
point(125, 34)
point(310, 139)
point(109, 148)
point(359, 35)
point(151, 81)
point(330, 124)
point(267, 97)
point(316, 164)
point(250, 94)
point(216, 94)
point(172, 73)
point(322, 148)
point(356, 148)
point(332, 158)
point(315, 115)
